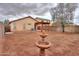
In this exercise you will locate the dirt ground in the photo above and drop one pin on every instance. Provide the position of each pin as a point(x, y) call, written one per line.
point(23, 44)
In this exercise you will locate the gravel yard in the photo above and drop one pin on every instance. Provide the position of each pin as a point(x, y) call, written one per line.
point(23, 44)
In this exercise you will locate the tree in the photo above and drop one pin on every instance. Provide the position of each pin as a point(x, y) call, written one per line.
point(6, 22)
point(64, 12)
point(70, 9)
point(6, 25)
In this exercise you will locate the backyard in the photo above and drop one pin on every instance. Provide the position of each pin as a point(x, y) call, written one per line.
point(23, 44)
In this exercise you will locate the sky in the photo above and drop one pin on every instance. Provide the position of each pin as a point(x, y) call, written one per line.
point(13, 11)
point(76, 17)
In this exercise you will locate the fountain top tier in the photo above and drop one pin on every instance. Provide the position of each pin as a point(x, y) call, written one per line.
point(43, 34)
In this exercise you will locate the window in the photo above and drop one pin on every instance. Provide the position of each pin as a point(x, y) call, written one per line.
point(24, 27)
point(29, 23)
point(14, 24)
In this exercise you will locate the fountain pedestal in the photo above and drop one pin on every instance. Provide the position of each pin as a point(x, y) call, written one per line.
point(43, 44)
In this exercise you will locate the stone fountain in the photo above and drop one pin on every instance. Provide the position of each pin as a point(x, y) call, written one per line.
point(43, 44)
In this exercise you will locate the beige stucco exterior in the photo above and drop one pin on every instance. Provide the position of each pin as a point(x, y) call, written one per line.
point(23, 25)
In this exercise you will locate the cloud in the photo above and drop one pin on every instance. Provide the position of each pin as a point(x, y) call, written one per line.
point(76, 16)
point(14, 9)
point(17, 10)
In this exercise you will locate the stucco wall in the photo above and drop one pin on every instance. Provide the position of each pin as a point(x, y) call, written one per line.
point(68, 28)
point(76, 28)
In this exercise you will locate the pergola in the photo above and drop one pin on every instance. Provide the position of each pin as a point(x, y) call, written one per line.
point(43, 25)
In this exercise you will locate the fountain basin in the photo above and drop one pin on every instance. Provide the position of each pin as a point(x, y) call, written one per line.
point(43, 45)
point(43, 35)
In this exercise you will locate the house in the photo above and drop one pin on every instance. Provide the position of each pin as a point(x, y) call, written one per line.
point(23, 24)
point(1, 30)
point(26, 23)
